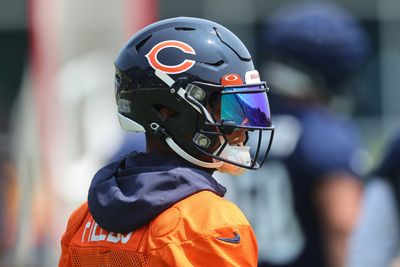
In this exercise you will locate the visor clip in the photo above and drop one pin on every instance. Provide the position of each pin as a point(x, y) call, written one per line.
point(159, 131)
point(201, 140)
point(181, 82)
point(195, 92)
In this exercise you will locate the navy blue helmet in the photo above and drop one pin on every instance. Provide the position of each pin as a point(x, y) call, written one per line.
point(204, 74)
point(319, 37)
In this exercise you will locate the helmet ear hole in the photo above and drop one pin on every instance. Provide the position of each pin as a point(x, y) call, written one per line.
point(165, 112)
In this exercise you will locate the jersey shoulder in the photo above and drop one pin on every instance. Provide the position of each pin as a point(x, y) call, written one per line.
point(202, 212)
point(202, 229)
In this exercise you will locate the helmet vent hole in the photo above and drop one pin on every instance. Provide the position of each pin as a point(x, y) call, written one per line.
point(216, 64)
point(141, 43)
point(228, 45)
point(185, 29)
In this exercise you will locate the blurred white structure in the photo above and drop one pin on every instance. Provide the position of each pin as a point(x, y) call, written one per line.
point(66, 121)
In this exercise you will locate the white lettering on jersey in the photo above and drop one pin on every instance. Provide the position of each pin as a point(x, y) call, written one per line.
point(96, 234)
point(125, 238)
point(112, 238)
point(88, 224)
point(97, 237)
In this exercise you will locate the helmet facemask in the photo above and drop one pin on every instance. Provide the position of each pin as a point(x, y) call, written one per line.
point(234, 126)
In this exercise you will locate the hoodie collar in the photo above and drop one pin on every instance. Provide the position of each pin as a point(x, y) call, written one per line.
point(128, 193)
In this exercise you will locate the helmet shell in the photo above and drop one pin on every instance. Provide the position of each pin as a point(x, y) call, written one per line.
point(212, 52)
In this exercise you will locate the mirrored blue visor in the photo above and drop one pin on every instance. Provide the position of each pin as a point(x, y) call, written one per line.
point(246, 106)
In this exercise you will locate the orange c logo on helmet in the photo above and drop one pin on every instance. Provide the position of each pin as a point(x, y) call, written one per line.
point(170, 69)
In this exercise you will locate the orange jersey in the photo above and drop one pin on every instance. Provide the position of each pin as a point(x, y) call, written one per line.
point(203, 229)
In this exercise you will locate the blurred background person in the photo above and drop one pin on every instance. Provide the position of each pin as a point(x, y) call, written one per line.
point(306, 202)
point(376, 239)
point(64, 120)
point(311, 49)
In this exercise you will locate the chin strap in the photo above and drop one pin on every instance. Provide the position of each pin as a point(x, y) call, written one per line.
point(188, 157)
point(160, 133)
point(238, 154)
point(221, 166)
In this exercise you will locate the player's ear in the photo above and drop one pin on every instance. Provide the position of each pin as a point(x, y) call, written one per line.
point(166, 113)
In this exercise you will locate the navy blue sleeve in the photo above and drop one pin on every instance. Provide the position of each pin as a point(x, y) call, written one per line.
point(326, 145)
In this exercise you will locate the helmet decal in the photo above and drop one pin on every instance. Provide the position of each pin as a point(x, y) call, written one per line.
point(231, 79)
point(252, 77)
point(170, 69)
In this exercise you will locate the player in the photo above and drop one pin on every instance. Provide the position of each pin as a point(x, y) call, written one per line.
point(312, 48)
point(191, 86)
point(304, 205)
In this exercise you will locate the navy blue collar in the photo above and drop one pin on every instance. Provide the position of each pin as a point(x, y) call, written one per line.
point(128, 193)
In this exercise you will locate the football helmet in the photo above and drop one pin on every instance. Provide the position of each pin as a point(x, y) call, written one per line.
point(204, 74)
point(318, 37)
